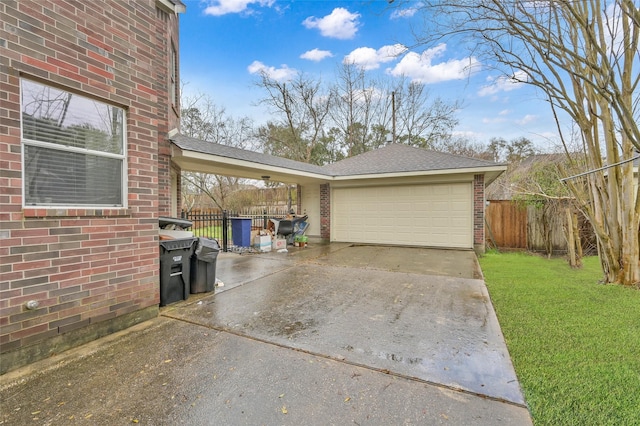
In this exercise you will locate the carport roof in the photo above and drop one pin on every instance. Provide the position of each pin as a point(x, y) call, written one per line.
point(198, 145)
point(391, 160)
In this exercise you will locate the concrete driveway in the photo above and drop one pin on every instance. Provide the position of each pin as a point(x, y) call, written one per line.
point(330, 334)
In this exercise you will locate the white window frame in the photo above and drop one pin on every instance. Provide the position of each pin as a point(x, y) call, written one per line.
point(70, 149)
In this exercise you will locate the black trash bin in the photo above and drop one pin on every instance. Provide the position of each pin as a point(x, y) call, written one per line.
point(175, 267)
point(203, 266)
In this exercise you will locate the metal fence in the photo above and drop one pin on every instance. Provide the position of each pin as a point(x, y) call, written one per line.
point(217, 225)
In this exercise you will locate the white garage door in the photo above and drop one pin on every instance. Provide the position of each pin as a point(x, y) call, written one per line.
point(424, 215)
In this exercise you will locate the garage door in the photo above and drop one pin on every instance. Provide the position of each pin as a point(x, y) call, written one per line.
point(425, 215)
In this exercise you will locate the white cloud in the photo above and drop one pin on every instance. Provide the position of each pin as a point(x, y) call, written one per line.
point(280, 74)
point(340, 24)
point(405, 13)
point(223, 7)
point(494, 120)
point(420, 68)
point(468, 134)
point(529, 118)
point(369, 58)
point(505, 112)
point(503, 84)
point(316, 55)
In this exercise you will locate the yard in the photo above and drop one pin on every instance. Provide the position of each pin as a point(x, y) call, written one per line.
point(575, 344)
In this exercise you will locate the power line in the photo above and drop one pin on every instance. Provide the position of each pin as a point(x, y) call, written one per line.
point(600, 169)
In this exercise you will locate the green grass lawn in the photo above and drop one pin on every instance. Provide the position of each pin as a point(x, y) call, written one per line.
point(575, 344)
point(210, 231)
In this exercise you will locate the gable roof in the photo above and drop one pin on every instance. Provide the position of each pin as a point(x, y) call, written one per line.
point(398, 158)
point(394, 160)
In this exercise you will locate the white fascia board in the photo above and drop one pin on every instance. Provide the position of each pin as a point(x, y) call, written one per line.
point(173, 7)
point(264, 169)
point(475, 170)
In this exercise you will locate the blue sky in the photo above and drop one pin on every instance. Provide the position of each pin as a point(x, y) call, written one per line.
point(225, 43)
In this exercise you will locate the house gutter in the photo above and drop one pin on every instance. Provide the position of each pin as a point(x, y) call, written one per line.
point(472, 170)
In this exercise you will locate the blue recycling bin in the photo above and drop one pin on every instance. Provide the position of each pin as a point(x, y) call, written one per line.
point(241, 231)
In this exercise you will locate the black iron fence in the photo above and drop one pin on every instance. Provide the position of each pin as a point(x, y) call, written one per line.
point(215, 224)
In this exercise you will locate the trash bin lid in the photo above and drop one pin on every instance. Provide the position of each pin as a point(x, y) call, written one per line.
point(182, 223)
point(207, 249)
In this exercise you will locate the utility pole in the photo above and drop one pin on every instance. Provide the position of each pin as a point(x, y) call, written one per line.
point(393, 117)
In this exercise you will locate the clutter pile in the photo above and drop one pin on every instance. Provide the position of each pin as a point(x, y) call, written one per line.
point(280, 233)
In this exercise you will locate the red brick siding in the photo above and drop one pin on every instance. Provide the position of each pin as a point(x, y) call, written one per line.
point(82, 265)
point(478, 210)
point(325, 211)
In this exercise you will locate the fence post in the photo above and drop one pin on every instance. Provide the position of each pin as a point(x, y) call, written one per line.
point(225, 231)
point(264, 219)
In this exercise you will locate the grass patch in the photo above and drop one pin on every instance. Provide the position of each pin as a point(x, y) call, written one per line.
point(209, 231)
point(575, 344)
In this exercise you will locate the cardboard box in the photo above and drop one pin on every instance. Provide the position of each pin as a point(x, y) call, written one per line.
point(262, 242)
point(279, 243)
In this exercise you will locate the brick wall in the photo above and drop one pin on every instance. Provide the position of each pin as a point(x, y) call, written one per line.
point(325, 211)
point(166, 36)
point(83, 266)
point(478, 213)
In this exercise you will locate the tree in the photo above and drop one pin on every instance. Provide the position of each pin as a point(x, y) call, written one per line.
point(353, 116)
point(459, 145)
point(422, 122)
point(512, 151)
point(301, 109)
point(201, 118)
point(360, 106)
point(583, 56)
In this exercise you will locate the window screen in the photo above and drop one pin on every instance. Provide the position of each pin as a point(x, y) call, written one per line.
point(73, 148)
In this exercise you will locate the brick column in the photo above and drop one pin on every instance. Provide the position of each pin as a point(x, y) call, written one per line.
point(325, 211)
point(478, 213)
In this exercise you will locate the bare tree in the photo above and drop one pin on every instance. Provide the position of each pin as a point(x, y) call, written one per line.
point(460, 145)
point(300, 108)
point(583, 55)
point(422, 121)
point(360, 107)
point(201, 118)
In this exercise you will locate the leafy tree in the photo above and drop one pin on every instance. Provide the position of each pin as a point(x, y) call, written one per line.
point(583, 56)
point(512, 151)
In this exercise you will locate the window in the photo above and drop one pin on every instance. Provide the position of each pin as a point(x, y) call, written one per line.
point(174, 77)
point(73, 149)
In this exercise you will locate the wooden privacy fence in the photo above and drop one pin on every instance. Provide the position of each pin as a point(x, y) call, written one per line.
point(509, 225)
point(506, 225)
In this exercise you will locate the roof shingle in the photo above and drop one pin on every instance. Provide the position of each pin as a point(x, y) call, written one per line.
point(392, 158)
point(398, 158)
